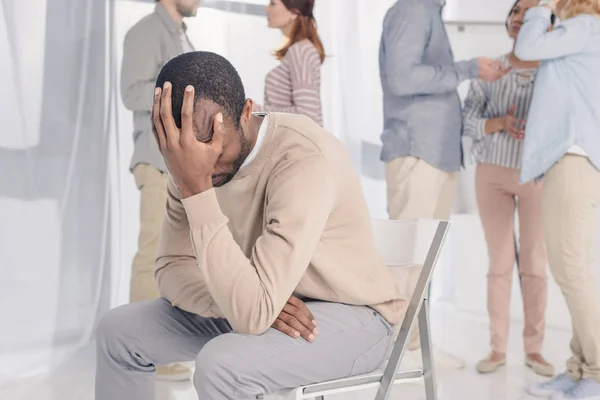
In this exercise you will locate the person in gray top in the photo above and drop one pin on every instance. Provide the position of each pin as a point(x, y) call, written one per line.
point(149, 45)
point(422, 116)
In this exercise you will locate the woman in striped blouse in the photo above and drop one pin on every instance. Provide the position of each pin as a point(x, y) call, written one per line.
point(294, 86)
point(494, 116)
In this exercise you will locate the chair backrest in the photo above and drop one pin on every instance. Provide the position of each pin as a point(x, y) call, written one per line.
point(407, 243)
point(404, 243)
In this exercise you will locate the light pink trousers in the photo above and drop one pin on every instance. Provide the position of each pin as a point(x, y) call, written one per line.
point(498, 195)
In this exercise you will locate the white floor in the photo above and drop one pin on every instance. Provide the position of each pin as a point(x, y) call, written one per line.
point(464, 335)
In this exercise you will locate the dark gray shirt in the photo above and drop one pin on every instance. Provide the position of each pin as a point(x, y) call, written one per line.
point(148, 46)
point(421, 107)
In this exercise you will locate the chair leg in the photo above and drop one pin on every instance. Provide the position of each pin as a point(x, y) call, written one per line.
point(427, 352)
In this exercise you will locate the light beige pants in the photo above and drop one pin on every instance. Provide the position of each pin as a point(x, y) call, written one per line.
point(152, 184)
point(570, 199)
point(415, 189)
point(497, 190)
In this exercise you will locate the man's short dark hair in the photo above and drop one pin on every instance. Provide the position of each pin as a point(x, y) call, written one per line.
point(213, 78)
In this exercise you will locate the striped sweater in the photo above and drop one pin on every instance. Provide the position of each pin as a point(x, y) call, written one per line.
point(491, 100)
point(294, 86)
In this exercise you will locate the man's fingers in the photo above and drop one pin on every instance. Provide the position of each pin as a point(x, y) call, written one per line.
point(306, 312)
point(157, 127)
point(296, 302)
point(166, 114)
point(216, 142)
point(153, 128)
point(304, 317)
point(291, 321)
point(284, 328)
point(293, 300)
point(297, 316)
point(187, 115)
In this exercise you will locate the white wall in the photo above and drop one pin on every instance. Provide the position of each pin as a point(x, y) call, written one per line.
point(477, 10)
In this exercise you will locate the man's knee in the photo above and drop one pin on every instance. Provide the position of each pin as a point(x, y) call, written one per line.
point(113, 332)
point(221, 374)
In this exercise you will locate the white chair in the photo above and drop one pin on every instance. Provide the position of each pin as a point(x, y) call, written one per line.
point(401, 244)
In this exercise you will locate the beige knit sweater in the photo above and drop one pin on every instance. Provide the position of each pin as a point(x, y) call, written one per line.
point(293, 221)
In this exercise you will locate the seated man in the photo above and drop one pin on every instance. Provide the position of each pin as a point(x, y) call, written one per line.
point(263, 210)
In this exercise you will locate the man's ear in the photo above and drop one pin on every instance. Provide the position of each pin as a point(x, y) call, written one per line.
point(249, 107)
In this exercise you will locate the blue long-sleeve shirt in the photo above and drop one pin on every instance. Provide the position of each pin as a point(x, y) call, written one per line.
point(565, 109)
point(419, 78)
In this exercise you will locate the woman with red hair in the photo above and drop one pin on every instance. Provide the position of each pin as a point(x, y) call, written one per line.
point(294, 86)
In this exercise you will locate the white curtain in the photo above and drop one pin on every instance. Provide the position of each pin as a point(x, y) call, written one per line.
point(55, 225)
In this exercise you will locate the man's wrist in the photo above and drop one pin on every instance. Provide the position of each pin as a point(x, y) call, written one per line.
point(203, 209)
point(197, 188)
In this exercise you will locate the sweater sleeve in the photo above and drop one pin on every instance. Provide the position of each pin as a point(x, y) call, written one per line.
point(251, 292)
point(177, 274)
point(535, 42)
point(304, 64)
point(405, 36)
point(475, 104)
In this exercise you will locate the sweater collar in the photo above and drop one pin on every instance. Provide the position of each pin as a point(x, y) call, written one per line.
point(264, 151)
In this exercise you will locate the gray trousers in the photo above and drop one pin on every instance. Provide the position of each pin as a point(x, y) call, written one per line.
point(132, 339)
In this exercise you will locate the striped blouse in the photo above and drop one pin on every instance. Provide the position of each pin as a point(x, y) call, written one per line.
point(294, 86)
point(491, 100)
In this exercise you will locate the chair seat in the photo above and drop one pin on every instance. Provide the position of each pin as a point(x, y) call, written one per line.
point(353, 383)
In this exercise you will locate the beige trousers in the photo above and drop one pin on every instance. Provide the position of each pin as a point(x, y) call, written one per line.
point(497, 188)
point(569, 203)
point(415, 189)
point(152, 184)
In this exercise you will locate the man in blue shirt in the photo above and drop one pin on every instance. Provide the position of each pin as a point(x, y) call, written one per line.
point(422, 114)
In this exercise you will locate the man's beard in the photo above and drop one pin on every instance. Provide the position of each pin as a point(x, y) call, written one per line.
point(245, 150)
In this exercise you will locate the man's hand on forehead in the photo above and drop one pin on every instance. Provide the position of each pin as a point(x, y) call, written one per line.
point(190, 161)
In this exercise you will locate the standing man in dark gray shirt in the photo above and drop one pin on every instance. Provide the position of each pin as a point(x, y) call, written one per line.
point(149, 45)
point(422, 117)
